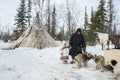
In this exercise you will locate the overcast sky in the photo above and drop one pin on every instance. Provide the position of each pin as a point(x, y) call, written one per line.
point(8, 8)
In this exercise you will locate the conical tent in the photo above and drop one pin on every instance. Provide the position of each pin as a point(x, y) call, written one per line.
point(34, 37)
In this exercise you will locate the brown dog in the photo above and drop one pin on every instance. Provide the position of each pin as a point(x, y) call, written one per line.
point(100, 62)
point(83, 58)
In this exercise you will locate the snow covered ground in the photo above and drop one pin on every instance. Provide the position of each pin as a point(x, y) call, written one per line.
point(45, 64)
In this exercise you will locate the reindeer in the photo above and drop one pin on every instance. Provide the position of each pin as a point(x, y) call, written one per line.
point(103, 39)
point(115, 39)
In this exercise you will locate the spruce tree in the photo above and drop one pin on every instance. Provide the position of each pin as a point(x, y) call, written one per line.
point(86, 19)
point(69, 21)
point(111, 15)
point(101, 17)
point(92, 14)
point(29, 11)
point(21, 20)
point(60, 35)
point(48, 24)
point(92, 20)
point(53, 27)
point(90, 34)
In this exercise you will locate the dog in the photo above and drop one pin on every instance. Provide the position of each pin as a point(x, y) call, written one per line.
point(83, 58)
point(116, 68)
point(100, 62)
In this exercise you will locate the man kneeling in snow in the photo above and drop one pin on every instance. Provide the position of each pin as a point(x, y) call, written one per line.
point(77, 43)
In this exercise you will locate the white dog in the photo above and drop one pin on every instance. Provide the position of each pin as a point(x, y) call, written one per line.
point(116, 68)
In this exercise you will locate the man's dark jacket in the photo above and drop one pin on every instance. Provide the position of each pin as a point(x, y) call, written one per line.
point(77, 42)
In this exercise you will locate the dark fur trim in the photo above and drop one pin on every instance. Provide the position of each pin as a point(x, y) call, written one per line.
point(108, 67)
point(85, 56)
point(113, 62)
